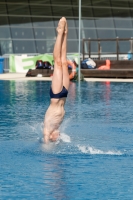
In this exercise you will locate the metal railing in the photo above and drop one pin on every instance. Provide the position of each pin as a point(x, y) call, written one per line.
point(6, 60)
point(99, 54)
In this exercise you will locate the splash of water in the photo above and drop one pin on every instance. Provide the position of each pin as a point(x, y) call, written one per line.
point(65, 138)
point(38, 128)
point(92, 150)
point(65, 124)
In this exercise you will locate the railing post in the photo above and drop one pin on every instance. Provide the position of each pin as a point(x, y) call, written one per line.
point(89, 46)
point(131, 45)
point(83, 49)
point(99, 49)
point(117, 48)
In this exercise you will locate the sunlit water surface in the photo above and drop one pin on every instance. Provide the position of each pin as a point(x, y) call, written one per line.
point(93, 158)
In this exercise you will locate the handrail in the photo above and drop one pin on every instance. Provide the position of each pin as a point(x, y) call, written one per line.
point(117, 39)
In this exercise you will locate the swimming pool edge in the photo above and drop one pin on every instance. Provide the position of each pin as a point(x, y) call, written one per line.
point(22, 77)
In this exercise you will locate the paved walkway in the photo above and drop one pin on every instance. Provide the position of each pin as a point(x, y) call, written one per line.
point(21, 76)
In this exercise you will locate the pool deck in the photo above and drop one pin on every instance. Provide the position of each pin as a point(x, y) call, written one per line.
point(22, 77)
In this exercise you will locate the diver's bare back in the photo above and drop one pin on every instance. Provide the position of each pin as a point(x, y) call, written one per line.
point(54, 115)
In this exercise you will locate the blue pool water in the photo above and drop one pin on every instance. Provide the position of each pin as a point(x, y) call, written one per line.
point(92, 160)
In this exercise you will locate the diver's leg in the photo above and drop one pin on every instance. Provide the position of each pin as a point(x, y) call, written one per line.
point(57, 79)
point(64, 59)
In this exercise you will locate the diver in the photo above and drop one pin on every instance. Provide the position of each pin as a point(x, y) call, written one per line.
point(59, 87)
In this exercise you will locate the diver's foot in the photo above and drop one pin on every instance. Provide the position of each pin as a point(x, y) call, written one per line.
point(61, 25)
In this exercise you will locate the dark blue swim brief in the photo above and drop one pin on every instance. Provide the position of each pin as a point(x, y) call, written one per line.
point(59, 95)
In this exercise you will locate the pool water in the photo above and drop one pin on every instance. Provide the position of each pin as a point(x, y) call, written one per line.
point(93, 158)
